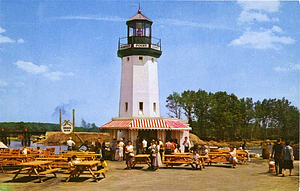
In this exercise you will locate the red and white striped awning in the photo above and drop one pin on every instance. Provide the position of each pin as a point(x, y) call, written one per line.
point(146, 124)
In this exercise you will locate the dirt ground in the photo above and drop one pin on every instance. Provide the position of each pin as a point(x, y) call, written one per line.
point(251, 176)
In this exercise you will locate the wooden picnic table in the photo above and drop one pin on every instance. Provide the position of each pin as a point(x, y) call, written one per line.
point(217, 157)
point(36, 167)
point(177, 159)
point(141, 159)
point(80, 167)
point(15, 159)
point(84, 156)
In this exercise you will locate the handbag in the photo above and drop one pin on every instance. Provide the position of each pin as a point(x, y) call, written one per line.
point(131, 154)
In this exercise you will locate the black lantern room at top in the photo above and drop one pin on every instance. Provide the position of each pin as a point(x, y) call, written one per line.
point(139, 40)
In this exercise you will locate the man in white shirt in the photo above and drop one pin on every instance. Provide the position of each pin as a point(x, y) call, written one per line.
point(144, 145)
point(186, 144)
point(70, 144)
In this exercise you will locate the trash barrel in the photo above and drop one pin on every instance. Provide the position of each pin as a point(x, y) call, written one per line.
point(266, 153)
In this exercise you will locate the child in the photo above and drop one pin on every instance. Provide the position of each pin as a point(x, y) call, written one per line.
point(195, 160)
point(232, 156)
point(70, 164)
point(102, 165)
point(75, 159)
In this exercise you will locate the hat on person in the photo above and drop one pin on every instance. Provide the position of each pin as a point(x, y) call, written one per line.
point(121, 139)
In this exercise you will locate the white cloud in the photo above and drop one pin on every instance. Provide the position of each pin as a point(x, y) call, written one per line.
point(3, 83)
point(5, 39)
point(291, 67)
point(2, 30)
point(257, 10)
point(93, 17)
point(40, 69)
point(264, 39)
point(277, 29)
point(30, 67)
point(260, 5)
point(20, 41)
point(54, 76)
point(249, 17)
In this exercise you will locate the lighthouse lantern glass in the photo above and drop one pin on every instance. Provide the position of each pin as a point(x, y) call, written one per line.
point(139, 29)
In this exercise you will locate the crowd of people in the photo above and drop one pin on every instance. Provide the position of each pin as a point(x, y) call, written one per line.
point(121, 150)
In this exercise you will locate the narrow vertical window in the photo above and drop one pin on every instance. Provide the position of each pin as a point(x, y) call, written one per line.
point(126, 106)
point(128, 59)
point(141, 108)
point(154, 107)
point(140, 58)
point(152, 60)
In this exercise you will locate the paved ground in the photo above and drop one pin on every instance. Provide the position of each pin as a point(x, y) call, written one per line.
point(251, 176)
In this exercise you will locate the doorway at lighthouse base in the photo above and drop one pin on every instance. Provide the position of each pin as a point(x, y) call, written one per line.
point(150, 128)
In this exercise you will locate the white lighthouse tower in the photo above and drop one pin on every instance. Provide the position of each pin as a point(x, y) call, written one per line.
point(139, 95)
point(139, 112)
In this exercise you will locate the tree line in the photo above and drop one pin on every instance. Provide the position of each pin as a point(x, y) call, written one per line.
point(31, 126)
point(224, 117)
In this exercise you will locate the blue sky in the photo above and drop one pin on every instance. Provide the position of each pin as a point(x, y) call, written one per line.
point(62, 54)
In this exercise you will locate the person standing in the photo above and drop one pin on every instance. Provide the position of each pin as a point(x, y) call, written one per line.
point(144, 146)
point(129, 155)
point(113, 149)
point(157, 158)
point(70, 144)
point(168, 147)
point(25, 152)
point(138, 144)
point(121, 149)
point(277, 154)
point(161, 148)
point(288, 158)
point(98, 147)
point(152, 153)
point(186, 144)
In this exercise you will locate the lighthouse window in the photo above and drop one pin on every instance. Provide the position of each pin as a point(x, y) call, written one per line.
point(152, 60)
point(141, 107)
point(154, 107)
point(140, 58)
point(126, 106)
point(128, 59)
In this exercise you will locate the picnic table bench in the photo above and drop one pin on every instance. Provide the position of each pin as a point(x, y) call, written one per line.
point(36, 167)
point(60, 162)
point(179, 159)
point(80, 167)
point(141, 159)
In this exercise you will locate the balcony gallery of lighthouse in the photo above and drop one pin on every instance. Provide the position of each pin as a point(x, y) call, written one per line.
point(139, 108)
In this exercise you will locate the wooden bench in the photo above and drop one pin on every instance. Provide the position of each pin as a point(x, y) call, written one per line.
point(14, 171)
point(102, 171)
point(50, 171)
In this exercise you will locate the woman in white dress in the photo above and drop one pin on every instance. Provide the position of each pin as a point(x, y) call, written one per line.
point(157, 160)
point(121, 147)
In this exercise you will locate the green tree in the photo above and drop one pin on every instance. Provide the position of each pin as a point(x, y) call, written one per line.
point(173, 104)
